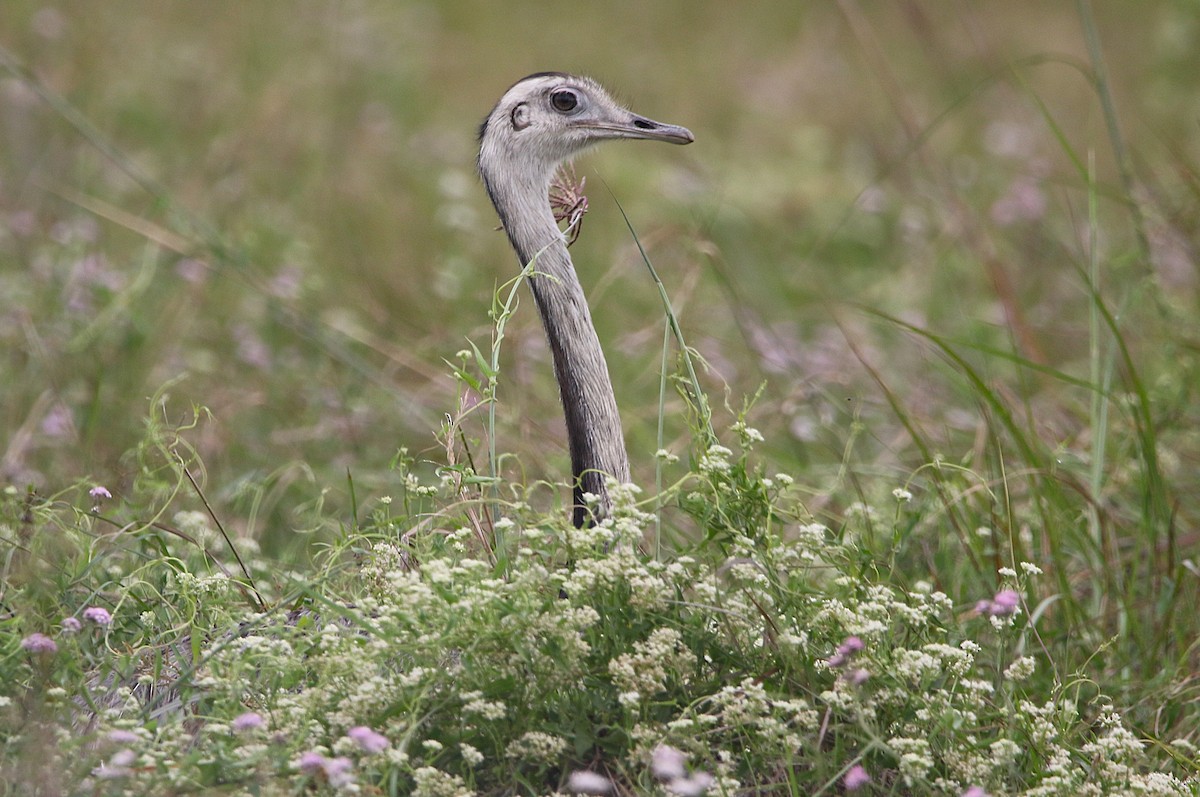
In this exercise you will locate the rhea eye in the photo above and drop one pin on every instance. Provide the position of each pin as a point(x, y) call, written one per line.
point(564, 100)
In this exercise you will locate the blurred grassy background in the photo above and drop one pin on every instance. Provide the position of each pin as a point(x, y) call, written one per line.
point(318, 241)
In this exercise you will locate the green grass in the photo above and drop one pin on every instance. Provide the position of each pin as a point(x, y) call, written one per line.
point(937, 270)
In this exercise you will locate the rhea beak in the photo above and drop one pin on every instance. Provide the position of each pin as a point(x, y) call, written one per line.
point(640, 127)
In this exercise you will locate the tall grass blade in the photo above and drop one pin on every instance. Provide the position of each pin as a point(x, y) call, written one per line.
point(697, 393)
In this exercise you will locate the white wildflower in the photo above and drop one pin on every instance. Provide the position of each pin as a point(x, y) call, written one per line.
point(629, 699)
point(536, 747)
point(916, 757)
point(432, 782)
point(748, 433)
point(1021, 669)
point(474, 703)
point(715, 460)
point(470, 754)
point(1004, 753)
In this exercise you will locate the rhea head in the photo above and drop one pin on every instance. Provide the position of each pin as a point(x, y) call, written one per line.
point(549, 117)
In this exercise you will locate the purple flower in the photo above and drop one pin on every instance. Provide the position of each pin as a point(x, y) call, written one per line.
point(846, 651)
point(39, 644)
point(856, 778)
point(667, 763)
point(99, 492)
point(1002, 604)
point(339, 771)
point(1005, 602)
point(311, 761)
point(696, 785)
point(367, 739)
point(245, 722)
point(582, 781)
point(123, 758)
point(858, 677)
point(97, 615)
point(58, 422)
point(975, 791)
point(118, 766)
point(70, 625)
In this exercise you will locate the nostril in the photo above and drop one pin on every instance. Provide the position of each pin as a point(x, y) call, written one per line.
point(644, 124)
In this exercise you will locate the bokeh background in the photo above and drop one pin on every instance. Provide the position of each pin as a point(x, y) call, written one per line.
point(270, 210)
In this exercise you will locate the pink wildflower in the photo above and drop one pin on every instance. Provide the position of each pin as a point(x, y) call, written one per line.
point(846, 651)
point(58, 422)
point(38, 643)
point(670, 766)
point(695, 785)
point(858, 677)
point(70, 625)
point(118, 766)
point(582, 781)
point(311, 762)
point(99, 492)
point(975, 791)
point(667, 763)
point(339, 771)
point(1005, 602)
point(856, 778)
point(247, 721)
point(1002, 604)
point(367, 739)
point(97, 615)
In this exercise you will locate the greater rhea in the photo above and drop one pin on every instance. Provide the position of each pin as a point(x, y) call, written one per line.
point(542, 121)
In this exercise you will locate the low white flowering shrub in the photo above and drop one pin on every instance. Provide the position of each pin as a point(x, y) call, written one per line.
point(773, 656)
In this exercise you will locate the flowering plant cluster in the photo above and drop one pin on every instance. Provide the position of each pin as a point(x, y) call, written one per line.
point(768, 657)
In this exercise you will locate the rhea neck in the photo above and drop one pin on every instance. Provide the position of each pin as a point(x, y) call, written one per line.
point(597, 447)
